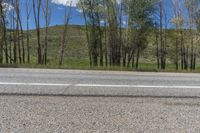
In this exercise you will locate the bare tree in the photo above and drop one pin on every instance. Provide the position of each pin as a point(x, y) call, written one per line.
point(10, 35)
point(177, 21)
point(14, 31)
point(4, 45)
point(64, 35)
point(1, 31)
point(161, 36)
point(21, 34)
point(37, 12)
point(191, 6)
point(28, 13)
point(114, 44)
point(93, 14)
point(47, 16)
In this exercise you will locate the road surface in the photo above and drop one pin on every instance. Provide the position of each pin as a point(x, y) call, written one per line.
point(98, 83)
point(73, 101)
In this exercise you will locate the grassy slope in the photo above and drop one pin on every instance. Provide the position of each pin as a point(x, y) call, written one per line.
point(76, 52)
point(76, 55)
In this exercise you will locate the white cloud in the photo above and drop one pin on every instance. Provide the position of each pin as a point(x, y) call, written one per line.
point(65, 2)
point(124, 22)
point(7, 7)
point(60, 8)
point(79, 10)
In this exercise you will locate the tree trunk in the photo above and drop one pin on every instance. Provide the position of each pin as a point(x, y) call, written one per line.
point(176, 62)
point(66, 22)
point(137, 58)
point(27, 41)
point(157, 52)
point(37, 23)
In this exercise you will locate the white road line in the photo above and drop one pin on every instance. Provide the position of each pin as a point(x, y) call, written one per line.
point(136, 86)
point(100, 85)
point(33, 84)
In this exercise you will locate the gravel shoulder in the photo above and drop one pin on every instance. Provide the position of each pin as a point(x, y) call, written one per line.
point(45, 114)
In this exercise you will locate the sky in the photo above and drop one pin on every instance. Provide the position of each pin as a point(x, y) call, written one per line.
point(58, 9)
point(57, 18)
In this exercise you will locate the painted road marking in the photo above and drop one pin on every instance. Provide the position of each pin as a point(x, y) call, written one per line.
point(33, 84)
point(99, 85)
point(136, 86)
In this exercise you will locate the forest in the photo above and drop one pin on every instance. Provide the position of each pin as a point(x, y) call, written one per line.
point(122, 34)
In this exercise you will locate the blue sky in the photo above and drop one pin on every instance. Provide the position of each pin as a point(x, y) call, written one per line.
point(58, 8)
point(57, 17)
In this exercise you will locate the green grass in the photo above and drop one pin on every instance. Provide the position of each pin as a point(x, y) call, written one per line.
point(83, 64)
point(76, 53)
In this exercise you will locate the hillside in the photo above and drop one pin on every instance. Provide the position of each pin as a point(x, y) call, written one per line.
point(76, 51)
point(76, 47)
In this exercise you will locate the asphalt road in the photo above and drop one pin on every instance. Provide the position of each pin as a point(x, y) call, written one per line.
point(98, 83)
point(73, 101)
point(47, 114)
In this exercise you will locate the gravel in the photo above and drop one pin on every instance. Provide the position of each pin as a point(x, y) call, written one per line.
point(45, 114)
